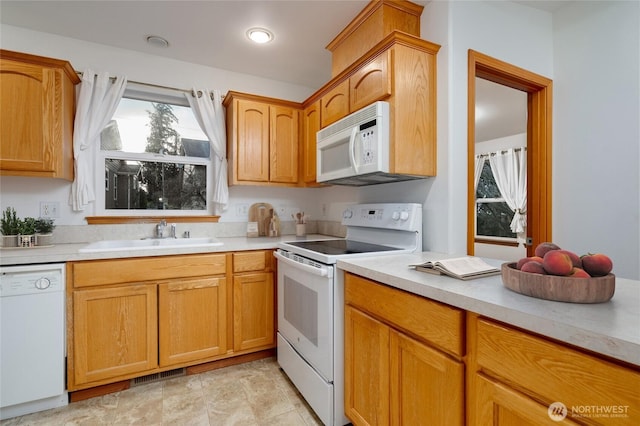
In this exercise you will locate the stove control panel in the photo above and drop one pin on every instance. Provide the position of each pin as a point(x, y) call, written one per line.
point(399, 216)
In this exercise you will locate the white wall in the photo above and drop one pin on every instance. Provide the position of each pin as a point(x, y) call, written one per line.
point(591, 51)
point(596, 183)
point(510, 32)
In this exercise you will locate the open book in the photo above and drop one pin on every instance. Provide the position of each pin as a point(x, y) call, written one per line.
point(464, 268)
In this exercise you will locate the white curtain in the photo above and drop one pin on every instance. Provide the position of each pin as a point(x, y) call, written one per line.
point(510, 172)
point(99, 97)
point(478, 169)
point(208, 109)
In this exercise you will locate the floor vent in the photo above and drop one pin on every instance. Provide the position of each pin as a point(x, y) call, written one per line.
point(156, 377)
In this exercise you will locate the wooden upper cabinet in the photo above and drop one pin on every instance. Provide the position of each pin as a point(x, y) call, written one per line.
point(262, 139)
point(334, 104)
point(311, 125)
point(252, 145)
point(283, 146)
point(37, 105)
point(370, 83)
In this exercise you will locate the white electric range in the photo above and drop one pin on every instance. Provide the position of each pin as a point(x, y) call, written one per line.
point(311, 298)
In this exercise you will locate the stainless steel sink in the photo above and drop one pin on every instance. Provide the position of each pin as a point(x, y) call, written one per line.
point(149, 244)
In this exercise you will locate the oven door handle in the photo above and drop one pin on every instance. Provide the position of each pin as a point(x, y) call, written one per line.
point(322, 271)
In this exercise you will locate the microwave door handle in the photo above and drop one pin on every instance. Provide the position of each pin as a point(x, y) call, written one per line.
point(352, 149)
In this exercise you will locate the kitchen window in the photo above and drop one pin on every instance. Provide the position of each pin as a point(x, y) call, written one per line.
point(493, 215)
point(155, 155)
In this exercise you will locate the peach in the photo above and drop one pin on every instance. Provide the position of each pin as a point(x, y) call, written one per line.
point(597, 265)
point(527, 259)
point(579, 273)
point(575, 259)
point(533, 267)
point(543, 248)
point(557, 263)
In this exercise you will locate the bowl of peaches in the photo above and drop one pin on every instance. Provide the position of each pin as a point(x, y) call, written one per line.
point(561, 275)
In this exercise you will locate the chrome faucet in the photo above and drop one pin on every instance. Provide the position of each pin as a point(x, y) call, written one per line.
point(160, 228)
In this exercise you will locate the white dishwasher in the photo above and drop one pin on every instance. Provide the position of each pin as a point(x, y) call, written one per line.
point(32, 339)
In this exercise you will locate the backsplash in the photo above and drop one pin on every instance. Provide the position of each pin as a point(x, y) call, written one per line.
point(73, 234)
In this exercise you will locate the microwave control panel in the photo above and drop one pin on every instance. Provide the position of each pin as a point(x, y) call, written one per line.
point(367, 137)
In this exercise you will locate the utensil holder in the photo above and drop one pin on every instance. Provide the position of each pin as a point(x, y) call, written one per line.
point(301, 230)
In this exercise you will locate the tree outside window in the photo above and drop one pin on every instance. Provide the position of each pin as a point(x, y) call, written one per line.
point(160, 154)
point(493, 215)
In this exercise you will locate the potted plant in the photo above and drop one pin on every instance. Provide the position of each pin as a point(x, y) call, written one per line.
point(10, 227)
point(27, 234)
point(44, 229)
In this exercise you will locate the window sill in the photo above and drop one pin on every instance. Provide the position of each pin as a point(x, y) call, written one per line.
point(497, 242)
point(118, 220)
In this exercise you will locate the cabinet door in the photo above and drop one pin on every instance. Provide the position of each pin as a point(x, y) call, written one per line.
point(311, 125)
point(366, 369)
point(370, 83)
point(334, 105)
point(498, 405)
point(114, 332)
point(192, 320)
point(283, 167)
point(252, 152)
point(30, 108)
point(427, 387)
point(253, 311)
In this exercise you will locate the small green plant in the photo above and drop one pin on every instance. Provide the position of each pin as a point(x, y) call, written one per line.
point(28, 226)
point(44, 226)
point(10, 224)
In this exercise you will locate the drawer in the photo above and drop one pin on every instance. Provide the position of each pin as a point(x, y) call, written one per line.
point(117, 271)
point(250, 261)
point(433, 322)
point(554, 372)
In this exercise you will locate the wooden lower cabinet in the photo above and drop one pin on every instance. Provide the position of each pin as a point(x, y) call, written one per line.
point(136, 316)
point(366, 369)
point(253, 311)
point(427, 387)
point(518, 378)
point(501, 405)
point(392, 377)
point(253, 300)
point(192, 320)
point(115, 332)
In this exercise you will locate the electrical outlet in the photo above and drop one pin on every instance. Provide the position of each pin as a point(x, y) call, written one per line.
point(242, 210)
point(49, 209)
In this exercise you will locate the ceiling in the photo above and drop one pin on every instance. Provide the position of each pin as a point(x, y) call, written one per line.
point(211, 33)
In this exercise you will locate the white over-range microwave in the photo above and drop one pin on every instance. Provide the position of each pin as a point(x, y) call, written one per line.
point(354, 151)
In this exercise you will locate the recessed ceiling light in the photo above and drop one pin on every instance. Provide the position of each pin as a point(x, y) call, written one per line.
point(157, 41)
point(260, 35)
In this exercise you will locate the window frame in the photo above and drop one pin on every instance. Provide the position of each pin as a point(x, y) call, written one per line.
point(151, 93)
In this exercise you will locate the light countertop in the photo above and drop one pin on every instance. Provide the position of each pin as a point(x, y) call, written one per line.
point(611, 328)
point(69, 252)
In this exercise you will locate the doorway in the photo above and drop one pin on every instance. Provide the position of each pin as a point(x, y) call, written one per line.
point(539, 114)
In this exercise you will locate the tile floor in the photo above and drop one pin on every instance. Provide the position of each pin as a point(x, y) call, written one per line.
point(255, 393)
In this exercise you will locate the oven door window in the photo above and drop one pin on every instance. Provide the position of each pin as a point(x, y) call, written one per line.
point(301, 309)
point(305, 315)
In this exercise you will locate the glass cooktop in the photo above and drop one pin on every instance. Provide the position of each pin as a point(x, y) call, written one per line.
point(335, 247)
